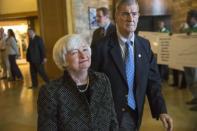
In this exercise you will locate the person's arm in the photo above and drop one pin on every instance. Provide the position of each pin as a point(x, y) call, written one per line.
point(42, 50)
point(14, 45)
point(46, 107)
point(155, 98)
point(110, 101)
point(167, 121)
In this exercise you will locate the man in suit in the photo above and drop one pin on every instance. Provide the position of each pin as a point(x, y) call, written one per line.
point(162, 27)
point(129, 63)
point(36, 57)
point(105, 26)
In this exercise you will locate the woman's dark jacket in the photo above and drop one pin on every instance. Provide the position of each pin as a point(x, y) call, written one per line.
point(61, 107)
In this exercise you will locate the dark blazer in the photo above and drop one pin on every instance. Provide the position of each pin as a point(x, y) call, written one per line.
point(97, 34)
point(107, 58)
point(35, 50)
point(61, 107)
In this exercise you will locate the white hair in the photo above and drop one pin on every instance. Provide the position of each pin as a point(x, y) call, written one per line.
point(65, 44)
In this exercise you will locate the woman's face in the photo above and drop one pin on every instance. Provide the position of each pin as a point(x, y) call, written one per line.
point(79, 59)
point(9, 32)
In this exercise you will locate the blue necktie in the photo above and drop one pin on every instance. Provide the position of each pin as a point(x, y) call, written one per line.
point(129, 64)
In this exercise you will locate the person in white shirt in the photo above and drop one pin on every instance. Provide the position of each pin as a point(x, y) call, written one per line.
point(4, 57)
point(13, 53)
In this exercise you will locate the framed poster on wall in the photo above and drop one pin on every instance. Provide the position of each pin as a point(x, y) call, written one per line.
point(92, 18)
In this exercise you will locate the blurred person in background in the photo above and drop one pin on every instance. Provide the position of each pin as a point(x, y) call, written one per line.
point(4, 57)
point(13, 54)
point(162, 27)
point(104, 23)
point(36, 57)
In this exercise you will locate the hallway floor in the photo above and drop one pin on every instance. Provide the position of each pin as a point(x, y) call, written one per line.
point(18, 107)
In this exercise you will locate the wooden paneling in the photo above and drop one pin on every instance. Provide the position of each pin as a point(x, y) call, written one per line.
point(20, 15)
point(11, 6)
point(53, 23)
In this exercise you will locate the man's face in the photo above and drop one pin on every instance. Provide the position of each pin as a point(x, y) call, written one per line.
point(30, 33)
point(100, 18)
point(127, 18)
point(161, 24)
point(191, 21)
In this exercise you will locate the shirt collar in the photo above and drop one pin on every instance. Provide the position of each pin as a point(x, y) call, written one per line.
point(123, 39)
point(163, 29)
point(107, 25)
point(195, 25)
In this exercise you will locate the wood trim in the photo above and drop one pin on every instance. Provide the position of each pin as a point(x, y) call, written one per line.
point(20, 15)
point(53, 22)
point(40, 14)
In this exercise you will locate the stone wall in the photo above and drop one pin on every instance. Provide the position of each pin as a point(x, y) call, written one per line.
point(80, 19)
point(180, 9)
point(80, 15)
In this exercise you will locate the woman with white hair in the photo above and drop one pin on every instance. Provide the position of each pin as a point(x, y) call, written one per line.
point(81, 99)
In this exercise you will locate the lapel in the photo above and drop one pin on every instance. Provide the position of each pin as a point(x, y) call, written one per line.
point(70, 84)
point(140, 64)
point(33, 42)
point(101, 32)
point(109, 28)
point(138, 61)
point(139, 55)
point(116, 55)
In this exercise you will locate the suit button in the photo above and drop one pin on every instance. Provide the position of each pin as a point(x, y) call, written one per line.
point(123, 109)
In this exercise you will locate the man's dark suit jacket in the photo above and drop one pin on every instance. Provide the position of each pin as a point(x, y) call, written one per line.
point(35, 51)
point(98, 33)
point(107, 58)
point(61, 107)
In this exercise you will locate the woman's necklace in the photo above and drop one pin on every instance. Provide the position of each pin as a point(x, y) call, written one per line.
point(84, 90)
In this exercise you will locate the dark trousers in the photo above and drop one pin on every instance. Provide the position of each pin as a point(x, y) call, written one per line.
point(164, 71)
point(176, 79)
point(34, 70)
point(15, 71)
point(129, 120)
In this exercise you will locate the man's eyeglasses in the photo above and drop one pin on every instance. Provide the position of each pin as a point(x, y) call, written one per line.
point(129, 14)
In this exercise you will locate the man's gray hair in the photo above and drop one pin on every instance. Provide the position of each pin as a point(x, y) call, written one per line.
point(65, 44)
point(128, 2)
